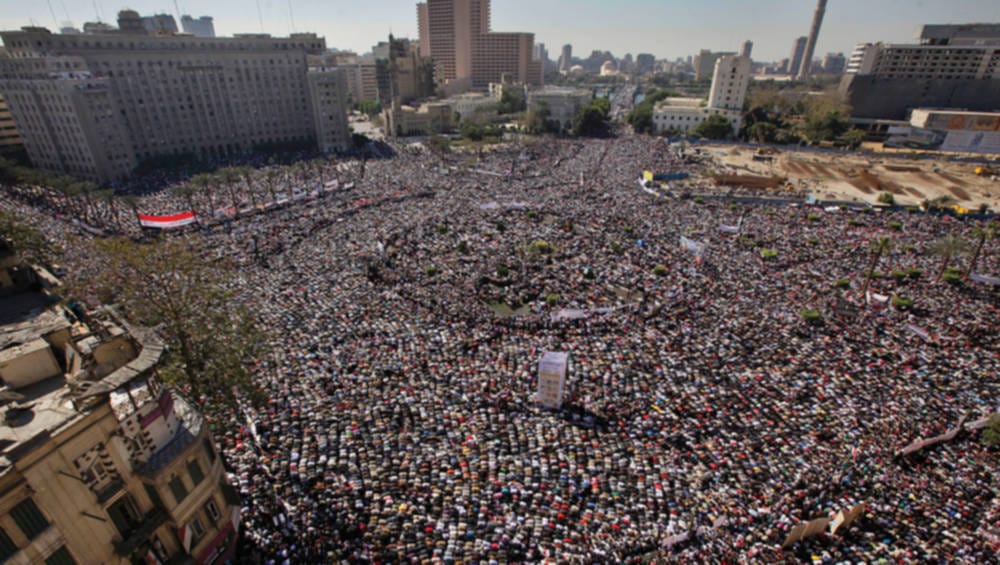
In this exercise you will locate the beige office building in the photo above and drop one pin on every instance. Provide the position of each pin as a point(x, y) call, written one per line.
point(95, 106)
point(456, 35)
point(99, 461)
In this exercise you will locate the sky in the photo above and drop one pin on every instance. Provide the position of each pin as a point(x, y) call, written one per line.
point(666, 28)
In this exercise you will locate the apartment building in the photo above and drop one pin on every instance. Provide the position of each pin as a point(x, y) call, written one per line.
point(99, 461)
point(97, 105)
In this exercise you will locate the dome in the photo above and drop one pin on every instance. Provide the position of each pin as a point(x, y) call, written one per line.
point(609, 68)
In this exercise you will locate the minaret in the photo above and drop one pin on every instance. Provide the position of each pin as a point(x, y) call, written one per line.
point(807, 57)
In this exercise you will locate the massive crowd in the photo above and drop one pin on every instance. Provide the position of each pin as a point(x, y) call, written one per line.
point(704, 417)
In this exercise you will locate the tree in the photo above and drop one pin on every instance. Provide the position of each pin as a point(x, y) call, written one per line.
point(948, 247)
point(510, 102)
point(852, 138)
point(539, 120)
point(591, 120)
point(825, 126)
point(369, 107)
point(762, 132)
point(211, 338)
point(991, 433)
point(879, 247)
point(29, 243)
point(983, 233)
point(715, 126)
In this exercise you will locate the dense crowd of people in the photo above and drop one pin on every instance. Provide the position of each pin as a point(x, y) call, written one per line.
point(703, 418)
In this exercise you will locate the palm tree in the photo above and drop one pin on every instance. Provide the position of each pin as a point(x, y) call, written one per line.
point(108, 197)
point(879, 247)
point(989, 231)
point(187, 192)
point(948, 247)
point(87, 190)
point(230, 176)
point(205, 183)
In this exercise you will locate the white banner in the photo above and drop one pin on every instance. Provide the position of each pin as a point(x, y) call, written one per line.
point(696, 247)
point(986, 279)
point(552, 378)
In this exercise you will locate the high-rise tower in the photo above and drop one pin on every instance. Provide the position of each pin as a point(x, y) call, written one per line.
point(807, 57)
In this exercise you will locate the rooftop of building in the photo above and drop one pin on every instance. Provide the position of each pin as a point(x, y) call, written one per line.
point(958, 111)
point(51, 375)
point(692, 103)
point(960, 31)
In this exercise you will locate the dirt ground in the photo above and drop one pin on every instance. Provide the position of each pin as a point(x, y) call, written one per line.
point(860, 177)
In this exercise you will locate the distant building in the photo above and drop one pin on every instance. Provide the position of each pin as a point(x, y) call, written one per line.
point(704, 63)
point(958, 131)
point(401, 71)
point(100, 461)
point(200, 27)
point(160, 23)
point(566, 58)
point(730, 81)
point(795, 59)
point(68, 29)
point(834, 63)
point(98, 28)
point(466, 52)
point(562, 103)
point(96, 106)
point(465, 105)
point(953, 66)
point(746, 49)
point(430, 118)
point(645, 63)
point(362, 81)
point(130, 23)
point(609, 68)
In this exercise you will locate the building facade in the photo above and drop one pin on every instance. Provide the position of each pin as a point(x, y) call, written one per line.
point(730, 81)
point(10, 138)
point(704, 63)
point(95, 106)
point(797, 55)
point(198, 27)
point(160, 23)
point(466, 53)
point(99, 461)
point(562, 103)
point(952, 66)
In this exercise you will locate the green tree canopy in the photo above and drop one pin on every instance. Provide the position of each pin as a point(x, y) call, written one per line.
point(715, 126)
point(30, 244)
point(211, 338)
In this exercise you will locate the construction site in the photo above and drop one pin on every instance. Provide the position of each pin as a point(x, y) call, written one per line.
point(856, 177)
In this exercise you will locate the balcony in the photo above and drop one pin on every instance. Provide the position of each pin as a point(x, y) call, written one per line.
point(150, 523)
point(108, 492)
point(191, 423)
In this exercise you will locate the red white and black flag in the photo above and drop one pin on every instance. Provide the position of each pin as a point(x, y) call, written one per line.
point(164, 222)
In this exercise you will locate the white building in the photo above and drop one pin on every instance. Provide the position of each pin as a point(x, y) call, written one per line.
point(467, 104)
point(563, 103)
point(726, 96)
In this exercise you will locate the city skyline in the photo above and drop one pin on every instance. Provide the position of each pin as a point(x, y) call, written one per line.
point(719, 25)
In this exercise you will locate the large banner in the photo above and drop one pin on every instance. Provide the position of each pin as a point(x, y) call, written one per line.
point(163, 222)
point(696, 247)
point(552, 378)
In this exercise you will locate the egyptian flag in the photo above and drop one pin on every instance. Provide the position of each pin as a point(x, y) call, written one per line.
point(164, 222)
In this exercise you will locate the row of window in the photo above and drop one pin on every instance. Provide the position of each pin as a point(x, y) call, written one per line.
point(32, 523)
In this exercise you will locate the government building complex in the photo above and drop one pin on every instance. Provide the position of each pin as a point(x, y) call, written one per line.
point(96, 106)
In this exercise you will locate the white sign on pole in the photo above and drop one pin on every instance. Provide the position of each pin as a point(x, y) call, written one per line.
point(552, 378)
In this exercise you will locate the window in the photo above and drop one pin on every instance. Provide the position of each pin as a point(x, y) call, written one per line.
point(212, 510)
point(29, 518)
point(196, 473)
point(60, 557)
point(178, 489)
point(197, 531)
point(7, 547)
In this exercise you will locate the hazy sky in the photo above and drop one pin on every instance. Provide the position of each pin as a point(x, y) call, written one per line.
point(665, 28)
